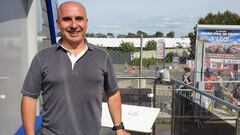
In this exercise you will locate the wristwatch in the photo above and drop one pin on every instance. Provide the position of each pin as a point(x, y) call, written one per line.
point(115, 128)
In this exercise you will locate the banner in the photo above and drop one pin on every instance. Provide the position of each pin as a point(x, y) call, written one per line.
point(160, 53)
point(221, 47)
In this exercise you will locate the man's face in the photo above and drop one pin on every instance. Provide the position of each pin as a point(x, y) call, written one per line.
point(72, 22)
point(208, 74)
point(238, 88)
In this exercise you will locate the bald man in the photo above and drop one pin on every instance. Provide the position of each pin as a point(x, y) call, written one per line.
point(71, 78)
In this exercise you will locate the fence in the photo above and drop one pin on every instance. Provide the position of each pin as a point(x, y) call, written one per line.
point(131, 61)
point(126, 54)
point(149, 96)
point(191, 116)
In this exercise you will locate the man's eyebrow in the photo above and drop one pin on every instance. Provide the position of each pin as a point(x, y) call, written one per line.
point(79, 17)
point(66, 18)
point(69, 17)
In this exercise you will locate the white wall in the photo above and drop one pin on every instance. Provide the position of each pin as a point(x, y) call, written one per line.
point(18, 45)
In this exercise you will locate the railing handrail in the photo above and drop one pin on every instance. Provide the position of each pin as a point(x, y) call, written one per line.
point(222, 81)
point(130, 77)
point(208, 95)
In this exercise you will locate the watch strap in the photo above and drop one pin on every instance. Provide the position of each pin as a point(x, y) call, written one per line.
point(117, 127)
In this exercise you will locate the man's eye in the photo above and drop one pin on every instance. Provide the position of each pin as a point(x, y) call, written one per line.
point(66, 19)
point(79, 18)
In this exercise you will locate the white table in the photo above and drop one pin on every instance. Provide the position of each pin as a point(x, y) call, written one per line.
point(135, 118)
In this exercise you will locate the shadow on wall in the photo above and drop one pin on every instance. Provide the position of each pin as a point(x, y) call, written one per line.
point(10, 5)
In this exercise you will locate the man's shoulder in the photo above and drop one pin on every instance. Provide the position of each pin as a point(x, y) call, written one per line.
point(234, 91)
point(214, 78)
point(47, 50)
point(47, 53)
point(97, 49)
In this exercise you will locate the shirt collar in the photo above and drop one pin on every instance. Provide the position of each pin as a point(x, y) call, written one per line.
point(59, 45)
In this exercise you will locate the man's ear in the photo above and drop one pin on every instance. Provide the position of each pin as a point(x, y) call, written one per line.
point(57, 22)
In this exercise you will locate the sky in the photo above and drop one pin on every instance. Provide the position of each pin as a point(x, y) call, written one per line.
point(124, 16)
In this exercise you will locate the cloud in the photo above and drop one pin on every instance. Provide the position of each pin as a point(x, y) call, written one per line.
point(148, 25)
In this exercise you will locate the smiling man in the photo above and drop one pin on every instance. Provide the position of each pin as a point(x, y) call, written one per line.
point(71, 78)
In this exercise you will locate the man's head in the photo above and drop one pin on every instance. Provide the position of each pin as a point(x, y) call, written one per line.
point(72, 21)
point(220, 72)
point(208, 72)
point(238, 86)
point(187, 69)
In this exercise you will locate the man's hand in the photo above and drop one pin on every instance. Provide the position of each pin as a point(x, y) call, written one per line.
point(235, 101)
point(122, 132)
point(225, 89)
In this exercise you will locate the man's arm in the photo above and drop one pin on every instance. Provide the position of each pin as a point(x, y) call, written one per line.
point(221, 84)
point(235, 102)
point(28, 110)
point(114, 106)
point(185, 77)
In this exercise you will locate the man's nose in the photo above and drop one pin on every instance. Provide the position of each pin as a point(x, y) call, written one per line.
point(74, 24)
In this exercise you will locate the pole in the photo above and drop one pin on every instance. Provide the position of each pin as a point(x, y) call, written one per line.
point(141, 50)
point(164, 55)
point(173, 108)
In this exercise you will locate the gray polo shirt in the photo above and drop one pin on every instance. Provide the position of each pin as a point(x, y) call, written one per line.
point(71, 97)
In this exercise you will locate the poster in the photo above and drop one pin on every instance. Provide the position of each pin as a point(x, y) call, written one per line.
point(160, 53)
point(217, 48)
point(221, 48)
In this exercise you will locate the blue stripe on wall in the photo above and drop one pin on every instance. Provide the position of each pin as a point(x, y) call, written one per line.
point(20, 131)
point(51, 21)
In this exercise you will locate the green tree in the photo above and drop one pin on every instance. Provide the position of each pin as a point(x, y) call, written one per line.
point(151, 45)
point(121, 36)
point(192, 37)
point(100, 35)
point(184, 56)
point(90, 35)
point(168, 57)
point(158, 34)
point(225, 18)
point(143, 33)
point(127, 47)
point(171, 34)
point(179, 45)
point(131, 35)
point(110, 35)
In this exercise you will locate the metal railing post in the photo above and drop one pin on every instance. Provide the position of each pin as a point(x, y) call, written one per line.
point(238, 124)
point(154, 104)
point(173, 107)
point(141, 63)
point(154, 92)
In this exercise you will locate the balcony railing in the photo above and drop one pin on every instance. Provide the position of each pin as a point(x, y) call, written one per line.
point(194, 113)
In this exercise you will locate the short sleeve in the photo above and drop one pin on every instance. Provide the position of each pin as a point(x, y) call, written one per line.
point(233, 92)
point(110, 81)
point(33, 81)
